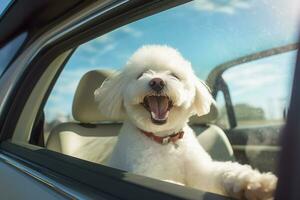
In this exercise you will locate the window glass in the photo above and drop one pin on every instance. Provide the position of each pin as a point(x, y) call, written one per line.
point(260, 89)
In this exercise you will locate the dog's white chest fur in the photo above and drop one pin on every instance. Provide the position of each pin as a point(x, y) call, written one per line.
point(137, 153)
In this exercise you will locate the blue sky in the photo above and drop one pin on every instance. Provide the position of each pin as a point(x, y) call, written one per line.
point(206, 32)
point(3, 5)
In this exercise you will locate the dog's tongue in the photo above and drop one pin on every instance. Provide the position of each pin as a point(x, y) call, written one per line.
point(159, 107)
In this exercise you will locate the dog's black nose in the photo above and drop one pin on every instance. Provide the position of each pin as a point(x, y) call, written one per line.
point(157, 84)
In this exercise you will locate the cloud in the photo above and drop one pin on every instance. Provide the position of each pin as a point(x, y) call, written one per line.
point(263, 84)
point(221, 6)
point(88, 47)
point(61, 97)
point(103, 39)
point(252, 77)
point(93, 49)
point(68, 81)
point(131, 31)
point(107, 48)
point(107, 42)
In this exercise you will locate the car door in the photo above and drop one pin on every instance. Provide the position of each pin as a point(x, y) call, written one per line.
point(50, 41)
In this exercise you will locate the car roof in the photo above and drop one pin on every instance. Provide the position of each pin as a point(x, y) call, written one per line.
point(35, 17)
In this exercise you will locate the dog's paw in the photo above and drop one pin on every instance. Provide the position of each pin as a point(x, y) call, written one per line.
point(251, 185)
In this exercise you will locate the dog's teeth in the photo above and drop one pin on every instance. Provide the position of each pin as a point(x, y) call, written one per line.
point(153, 115)
point(158, 119)
point(167, 115)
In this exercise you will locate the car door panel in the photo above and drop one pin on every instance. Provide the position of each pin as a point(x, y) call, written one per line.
point(257, 146)
point(16, 185)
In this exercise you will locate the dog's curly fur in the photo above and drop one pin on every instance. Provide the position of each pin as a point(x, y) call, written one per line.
point(186, 162)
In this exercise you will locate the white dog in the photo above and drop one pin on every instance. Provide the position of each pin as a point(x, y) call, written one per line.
point(156, 93)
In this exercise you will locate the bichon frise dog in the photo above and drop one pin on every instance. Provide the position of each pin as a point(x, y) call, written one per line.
point(156, 93)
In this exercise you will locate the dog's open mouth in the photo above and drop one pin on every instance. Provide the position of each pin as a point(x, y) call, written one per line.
point(159, 107)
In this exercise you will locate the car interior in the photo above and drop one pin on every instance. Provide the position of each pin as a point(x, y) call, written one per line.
point(220, 131)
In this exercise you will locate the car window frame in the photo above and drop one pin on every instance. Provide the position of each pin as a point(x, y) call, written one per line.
point(289, 163)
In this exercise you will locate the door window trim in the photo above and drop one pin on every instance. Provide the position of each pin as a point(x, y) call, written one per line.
point(103, 180)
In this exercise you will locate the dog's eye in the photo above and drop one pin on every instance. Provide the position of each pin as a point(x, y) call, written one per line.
point(140, 75)
point(175, 76)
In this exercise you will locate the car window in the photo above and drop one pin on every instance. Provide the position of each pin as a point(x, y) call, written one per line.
point(208, 34)
point(260, 89)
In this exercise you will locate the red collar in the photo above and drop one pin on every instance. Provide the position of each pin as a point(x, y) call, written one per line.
point(166, 139)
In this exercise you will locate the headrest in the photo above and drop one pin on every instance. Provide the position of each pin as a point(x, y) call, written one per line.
point(86, 110)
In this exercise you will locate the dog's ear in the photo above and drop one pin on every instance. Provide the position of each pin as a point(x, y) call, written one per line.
point(110, 97)
point(203, 98)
